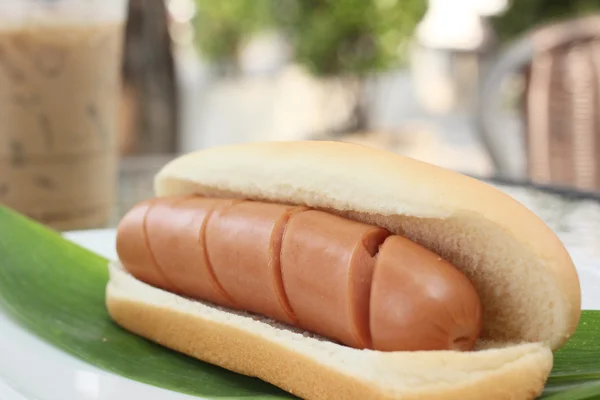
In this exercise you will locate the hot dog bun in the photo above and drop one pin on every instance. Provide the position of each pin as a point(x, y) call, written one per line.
point(525, 278)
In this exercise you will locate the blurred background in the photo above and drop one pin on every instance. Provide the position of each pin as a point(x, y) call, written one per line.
point(488, 87)
point(507, 91)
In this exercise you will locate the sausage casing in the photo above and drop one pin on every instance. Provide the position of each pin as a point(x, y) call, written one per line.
point(351, 282)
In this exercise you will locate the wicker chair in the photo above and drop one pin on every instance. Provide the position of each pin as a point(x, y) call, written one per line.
point(560, 105)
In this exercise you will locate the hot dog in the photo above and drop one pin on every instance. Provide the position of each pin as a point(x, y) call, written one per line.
point(339, 271)
point(347, 281)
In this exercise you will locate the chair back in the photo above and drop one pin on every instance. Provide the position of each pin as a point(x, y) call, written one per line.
point(560, 105)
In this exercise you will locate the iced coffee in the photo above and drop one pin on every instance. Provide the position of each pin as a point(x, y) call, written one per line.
point(59, 95)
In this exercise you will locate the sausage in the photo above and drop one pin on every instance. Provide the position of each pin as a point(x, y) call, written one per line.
point(421, 300)
point(244, 242)
point(176, 231)
point(133, 249)
point(327, 263)
point(354, 283)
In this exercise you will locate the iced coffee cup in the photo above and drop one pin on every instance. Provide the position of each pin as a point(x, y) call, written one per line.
point(60, 86)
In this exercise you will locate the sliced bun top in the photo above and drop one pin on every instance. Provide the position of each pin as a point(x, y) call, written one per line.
point(526, 280)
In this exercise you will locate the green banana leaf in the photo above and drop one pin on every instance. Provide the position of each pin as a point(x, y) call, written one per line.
point(55, 289)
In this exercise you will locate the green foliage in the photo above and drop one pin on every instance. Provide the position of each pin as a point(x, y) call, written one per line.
point(348, 37)
point(329, 37)
point(524, 15)
point(338, 37)
point(222, 26)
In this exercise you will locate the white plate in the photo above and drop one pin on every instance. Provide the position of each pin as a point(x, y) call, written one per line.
point(31, 369)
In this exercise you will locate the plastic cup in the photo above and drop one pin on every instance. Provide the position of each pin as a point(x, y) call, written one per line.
point(60, 87)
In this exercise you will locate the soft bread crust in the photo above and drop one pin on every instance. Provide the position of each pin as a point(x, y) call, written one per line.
point(315, 369)
point(527, 282)
point(522, 272)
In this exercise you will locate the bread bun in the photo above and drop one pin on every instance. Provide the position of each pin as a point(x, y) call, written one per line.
point(526, 280)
